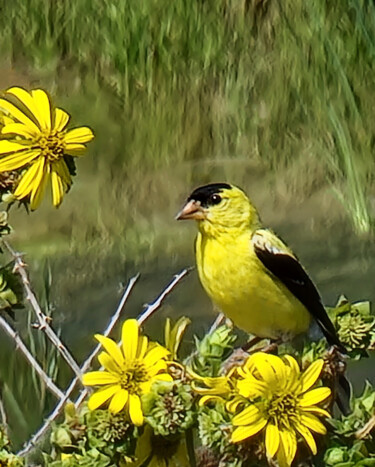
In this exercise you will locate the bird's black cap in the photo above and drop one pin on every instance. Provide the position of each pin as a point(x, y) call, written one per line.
point(203, 193)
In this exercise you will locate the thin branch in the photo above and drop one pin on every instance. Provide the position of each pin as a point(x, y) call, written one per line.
point(150, 309)
point(30, 358)
point(42, 318)
point(65, 397)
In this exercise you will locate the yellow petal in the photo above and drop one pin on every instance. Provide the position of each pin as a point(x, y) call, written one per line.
point(38, 193)
point(44, 108)
point(251, 387)
point(100, 397)
point(156, 353)
point(244, 432)
point(18, 115)
point(18, 129)
point(94, 378)
point(57, 187)
point(9, 147)
point(159, 366)
point(206, 399)
point(135, 410)
point(248, 416)
point(308, 437)
point(118, 401)
point(233, 404)
point(317, 410)
point(18, 160)
point(272, 439)
point(313, 423)
point(62, 169)
point(163, 377)
point(270, 367)
point(108, 363)
point(142, 346)
point(30, 179)
point(129, 336)
point(111, 348)
point(289, 442)
point(311, 374)
point(61, 119)
point(315, 396)
point(75, 149)
point(30, 103)
point(82, 134)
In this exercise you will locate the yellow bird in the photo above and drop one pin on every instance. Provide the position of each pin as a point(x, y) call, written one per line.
point(248, 272)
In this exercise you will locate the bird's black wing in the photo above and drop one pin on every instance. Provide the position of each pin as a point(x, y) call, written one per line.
point(282, 264)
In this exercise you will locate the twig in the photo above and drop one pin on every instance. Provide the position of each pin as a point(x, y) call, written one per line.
point(65, 397)
point(42, 318)
point(87, 363)
point(30, 358)
point(150, 309)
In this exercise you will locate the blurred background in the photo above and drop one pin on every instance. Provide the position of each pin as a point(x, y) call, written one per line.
point(276, 97)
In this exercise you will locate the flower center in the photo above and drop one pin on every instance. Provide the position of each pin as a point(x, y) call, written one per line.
point(282, 408)
point(131, 377)
point(52, 145)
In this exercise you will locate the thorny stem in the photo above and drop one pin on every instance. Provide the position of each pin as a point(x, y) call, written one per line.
point(86, 364)
point(30, 358)
point(44, 326)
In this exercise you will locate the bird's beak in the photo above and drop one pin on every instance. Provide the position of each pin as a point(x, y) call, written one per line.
point(191, 210)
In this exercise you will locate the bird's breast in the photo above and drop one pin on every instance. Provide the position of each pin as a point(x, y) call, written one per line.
point(245, 291)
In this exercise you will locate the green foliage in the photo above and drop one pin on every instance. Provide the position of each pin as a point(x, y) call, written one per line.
point(96, 438)
point(212, 350)
point(355, 326)
point(169, 408)
point(7, 459)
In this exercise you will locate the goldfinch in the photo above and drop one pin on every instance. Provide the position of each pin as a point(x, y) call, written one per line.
point(248, 272)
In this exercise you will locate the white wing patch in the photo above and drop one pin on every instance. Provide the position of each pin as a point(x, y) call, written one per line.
point(259, 240)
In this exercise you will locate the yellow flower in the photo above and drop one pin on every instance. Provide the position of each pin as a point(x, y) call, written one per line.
point(129, 372)
point(38, 141)
point(282, 403)
point(214, 389)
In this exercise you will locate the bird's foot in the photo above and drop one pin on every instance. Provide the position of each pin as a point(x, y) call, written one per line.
point(237, 358)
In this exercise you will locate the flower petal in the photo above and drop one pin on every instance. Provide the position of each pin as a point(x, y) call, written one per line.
point(311, 374)
point(62, 169)
point(17, 160)
point(108, 363)
point(129, 335)
point(248, 416)
point(82, 134)
point(161, 365)
point(272, 439)
point(317, 410)
point(43, 105)
point(94, 378)
point(30, 179)
point(30, 103)
point(118, 401)
point(315, 396)
point(251, 387)
point(18, 129)
point(270, 367)
point(155, 353)
point(61, 119)
point(162, 377)
point(142, 346)
point(111, 348)
point(75, 149)
point(99, 397)
point(57, 187)
point(308, 437)
point(135, 410)
point(244, 432)
point(289, 441)
point(313, 423)
point(18, 115)
point(38, 193)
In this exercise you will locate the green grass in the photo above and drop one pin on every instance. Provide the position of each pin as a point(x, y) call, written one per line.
point(180, 91)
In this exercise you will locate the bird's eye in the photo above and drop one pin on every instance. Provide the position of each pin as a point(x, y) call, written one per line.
point(215, 199)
